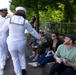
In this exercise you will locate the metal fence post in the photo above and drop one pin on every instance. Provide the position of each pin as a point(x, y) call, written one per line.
point(60, 28)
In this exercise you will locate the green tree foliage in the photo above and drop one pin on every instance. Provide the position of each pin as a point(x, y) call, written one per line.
point(48, 10)
point(69, 8)
point(33, 6)
point(51, 15)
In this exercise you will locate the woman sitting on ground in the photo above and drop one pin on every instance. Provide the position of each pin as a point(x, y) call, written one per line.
point(48, 56)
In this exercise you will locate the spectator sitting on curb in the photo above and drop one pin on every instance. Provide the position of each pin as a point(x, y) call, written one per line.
point(65, 57)
point(36, 45)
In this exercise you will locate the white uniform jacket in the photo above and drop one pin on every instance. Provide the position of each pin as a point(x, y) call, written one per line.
point(17, 26)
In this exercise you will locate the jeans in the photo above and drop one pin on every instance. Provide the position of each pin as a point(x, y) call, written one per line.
point(44, 60)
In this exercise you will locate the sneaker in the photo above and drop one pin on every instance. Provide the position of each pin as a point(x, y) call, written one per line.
point(36, 57)
point(34, 64)
point(32, 56)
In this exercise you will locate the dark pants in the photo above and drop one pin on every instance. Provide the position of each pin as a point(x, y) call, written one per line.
point(61, 69)
point(44, 60)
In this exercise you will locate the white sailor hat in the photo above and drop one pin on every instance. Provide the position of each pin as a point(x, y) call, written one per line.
point(20, 8)
point(3, 8)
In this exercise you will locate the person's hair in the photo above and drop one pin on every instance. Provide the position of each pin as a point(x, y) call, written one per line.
point(2, 10)
point(20, 13)
point(56, 33)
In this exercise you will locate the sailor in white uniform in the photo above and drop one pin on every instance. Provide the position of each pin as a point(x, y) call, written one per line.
point(3, 37)
point(17, 40)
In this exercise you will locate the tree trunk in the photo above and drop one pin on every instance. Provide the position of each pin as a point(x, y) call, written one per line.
point(37, 21)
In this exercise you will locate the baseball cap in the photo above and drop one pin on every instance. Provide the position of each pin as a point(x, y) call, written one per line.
point(3, 8)
point(72, 37)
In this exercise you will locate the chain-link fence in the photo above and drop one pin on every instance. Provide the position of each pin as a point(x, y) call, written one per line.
point(62, 28)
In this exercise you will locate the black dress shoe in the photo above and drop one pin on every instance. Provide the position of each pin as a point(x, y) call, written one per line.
point(41, 66)
point(23, 72)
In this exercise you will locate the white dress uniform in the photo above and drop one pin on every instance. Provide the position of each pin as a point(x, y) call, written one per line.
point(3, 45)
point(17, 40)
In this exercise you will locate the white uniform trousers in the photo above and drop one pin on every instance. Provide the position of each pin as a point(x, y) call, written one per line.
point(3, 52)
point(17, 51)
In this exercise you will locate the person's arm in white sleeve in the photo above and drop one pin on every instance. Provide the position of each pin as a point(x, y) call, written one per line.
point(31, 30)
point(4, 27)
